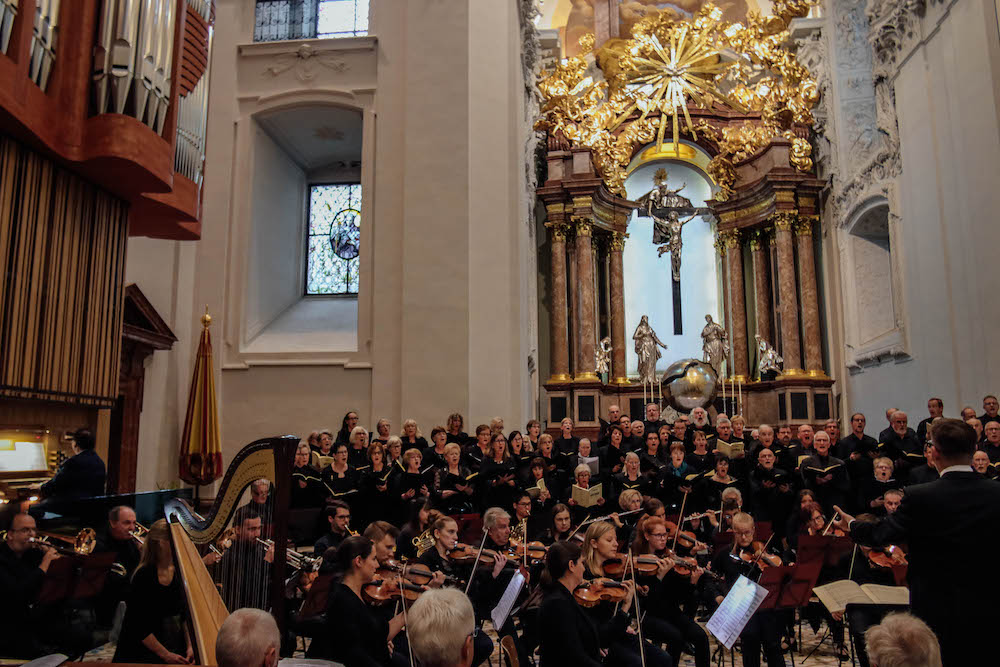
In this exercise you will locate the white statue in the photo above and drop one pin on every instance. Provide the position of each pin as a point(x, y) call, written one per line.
point(715, 344)
point(767, 357)
point(603, 355)
point(646, 343)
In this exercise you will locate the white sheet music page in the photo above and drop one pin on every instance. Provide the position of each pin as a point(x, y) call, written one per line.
point(502, 610)
point(735, 611)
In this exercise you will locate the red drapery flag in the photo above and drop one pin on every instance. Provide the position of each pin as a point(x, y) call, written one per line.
point(201, 449)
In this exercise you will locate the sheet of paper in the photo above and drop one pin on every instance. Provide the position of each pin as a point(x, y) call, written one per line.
point(836, 595)
point(735, 611)
point(887, 594)
point(502, 610)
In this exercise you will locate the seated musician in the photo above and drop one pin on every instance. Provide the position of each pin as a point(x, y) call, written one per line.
point(261, 503)
point(599, 546)
point(496, 523)
point(23, 565)
point(117, 539)
point(244, 571)
point(826, 475)
point(80, 476)
point(355, 634)
point(307, 486)
point(155, 629)
point(443, 625)
point(338, 516)
point(762, 631)
point(561, 526)
point(418, 521)
point(666, 619)
point(527, 528)
point(569, 634)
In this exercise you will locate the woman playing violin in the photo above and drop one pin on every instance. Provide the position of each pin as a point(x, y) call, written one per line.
point(600, 545)
point(347, 615)
point(666, 621)
point(762, 631)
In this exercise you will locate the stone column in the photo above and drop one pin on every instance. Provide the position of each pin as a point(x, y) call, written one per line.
point(573, 278)
point(734, 261)
point(810, 300)
point(559, 336)
point(762, 291)
point(619, 374)
point(783, 222)
point(585, 301)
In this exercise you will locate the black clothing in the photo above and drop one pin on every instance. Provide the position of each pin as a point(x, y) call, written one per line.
point(432, 458)
point(307, 488)
point(116, 586)
point(771, 503)
point(828, 493)
point(993, 451)
point(922, 434)
point(566, 446)
point(357, 457)
point(20, 584)
point(924, 474)
point(906, 452)
point(355, 635)
point(762, 631)
point(460, 439)
point(495, 492)
point(418, 443)
point(986, 419)
point(377, 502)
point(621, 482)
point(701, 462)
point(939, 520)
point(330, 539)
point(460, 502)
point(343, 486)
point(612, 457)
point(873, 489)
point(568, 633)
point(152, 609)
point(80, 476)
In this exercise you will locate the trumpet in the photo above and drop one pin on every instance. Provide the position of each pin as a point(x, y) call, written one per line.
point(139, 534)
point(223, 542)
point(296, 560)
point(83, 543)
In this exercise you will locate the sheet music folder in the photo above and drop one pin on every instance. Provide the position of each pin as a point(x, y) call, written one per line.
point(502, 610)
point(735, 611)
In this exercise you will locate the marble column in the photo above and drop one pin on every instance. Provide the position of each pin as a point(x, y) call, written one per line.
point(762, 290)
point(810, 300)
point(585, 302)
point(559, 336)
point(734, 261)
point(573, 278)
point(783, 222)
point(619, 374)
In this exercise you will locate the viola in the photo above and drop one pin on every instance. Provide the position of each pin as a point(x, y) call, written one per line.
point(644, 565)
point(591, 593)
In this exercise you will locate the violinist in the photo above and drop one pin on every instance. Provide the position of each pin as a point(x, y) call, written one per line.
point(762, 631)
point(569, 635)
point(496, 522)
point(367, 638)
point(815, 524)
point(561, 527)
point(631, 478)
point(794, 524)
point(666, 621)
point(599, 546)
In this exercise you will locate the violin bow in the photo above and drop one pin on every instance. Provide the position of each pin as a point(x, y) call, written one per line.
point(830, 525)
point(677, 532)
point(763, 550)
point(850, 571)
point(635, 600)
point(575, 530)
point(475, 563)
point(402, 600)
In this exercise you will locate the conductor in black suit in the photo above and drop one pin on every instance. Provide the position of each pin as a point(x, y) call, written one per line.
point(945, 522)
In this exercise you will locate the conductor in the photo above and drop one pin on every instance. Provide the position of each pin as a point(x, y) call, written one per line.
point(945, 522)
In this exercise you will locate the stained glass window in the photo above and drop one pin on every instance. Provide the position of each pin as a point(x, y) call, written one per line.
point(334, 239)
point(278, 20)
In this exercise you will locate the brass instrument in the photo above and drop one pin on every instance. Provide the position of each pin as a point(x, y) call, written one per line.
point(423, 542)
point(139, 534)
point(296, 560)
point(83, 543)
point(223, 542)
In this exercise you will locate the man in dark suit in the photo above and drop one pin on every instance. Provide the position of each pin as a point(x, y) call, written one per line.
point(942, 521)
point(81, 475)
point(935, 408)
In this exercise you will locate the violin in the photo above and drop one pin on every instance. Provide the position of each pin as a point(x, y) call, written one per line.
point(417, 573)
point(591, 593)
point(535, 551)
point(888, 558)
point(464, 553)
point(760, 557)
point(382, 590)
point(685, 538)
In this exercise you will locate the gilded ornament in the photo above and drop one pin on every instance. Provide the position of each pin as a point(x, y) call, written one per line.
point(804, 225)
point(558, 230)
point(784, 220)
point(731, 238)
point(584, 226)
point(617, 243)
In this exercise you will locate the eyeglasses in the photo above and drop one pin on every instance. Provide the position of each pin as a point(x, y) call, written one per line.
point(658, 536)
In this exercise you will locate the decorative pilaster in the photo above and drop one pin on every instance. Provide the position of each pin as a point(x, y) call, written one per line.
point(559, 335)
point(585, 302)
point(734, 262)
point(783, 222)
point(762, 291)
point(619, 375)
point(812, 342)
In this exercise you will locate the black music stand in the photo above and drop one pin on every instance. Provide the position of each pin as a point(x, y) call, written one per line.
point(789, 587)
point(75, 578)
point(881, 610)
point(827, 548)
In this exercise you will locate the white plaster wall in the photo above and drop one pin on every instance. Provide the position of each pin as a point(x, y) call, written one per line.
point(279, 193)
point(950, 147)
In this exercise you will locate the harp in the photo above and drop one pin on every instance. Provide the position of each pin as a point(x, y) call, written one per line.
point(267, 459)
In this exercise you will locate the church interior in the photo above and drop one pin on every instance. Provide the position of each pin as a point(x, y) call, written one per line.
point(286, 283)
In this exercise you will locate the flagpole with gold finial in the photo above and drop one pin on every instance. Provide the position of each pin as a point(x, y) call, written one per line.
point(201, 447)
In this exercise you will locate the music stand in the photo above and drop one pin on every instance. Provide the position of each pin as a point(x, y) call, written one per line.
point(75, 578)
point(789, 587)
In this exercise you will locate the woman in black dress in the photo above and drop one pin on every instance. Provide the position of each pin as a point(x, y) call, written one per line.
point(435, 454)
point(498, 475)
point(154, 629)
point(307, 487)
point(355, 636)
point(454, 484)
point(376, 486)
point(341, 480)
point(411, 436)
